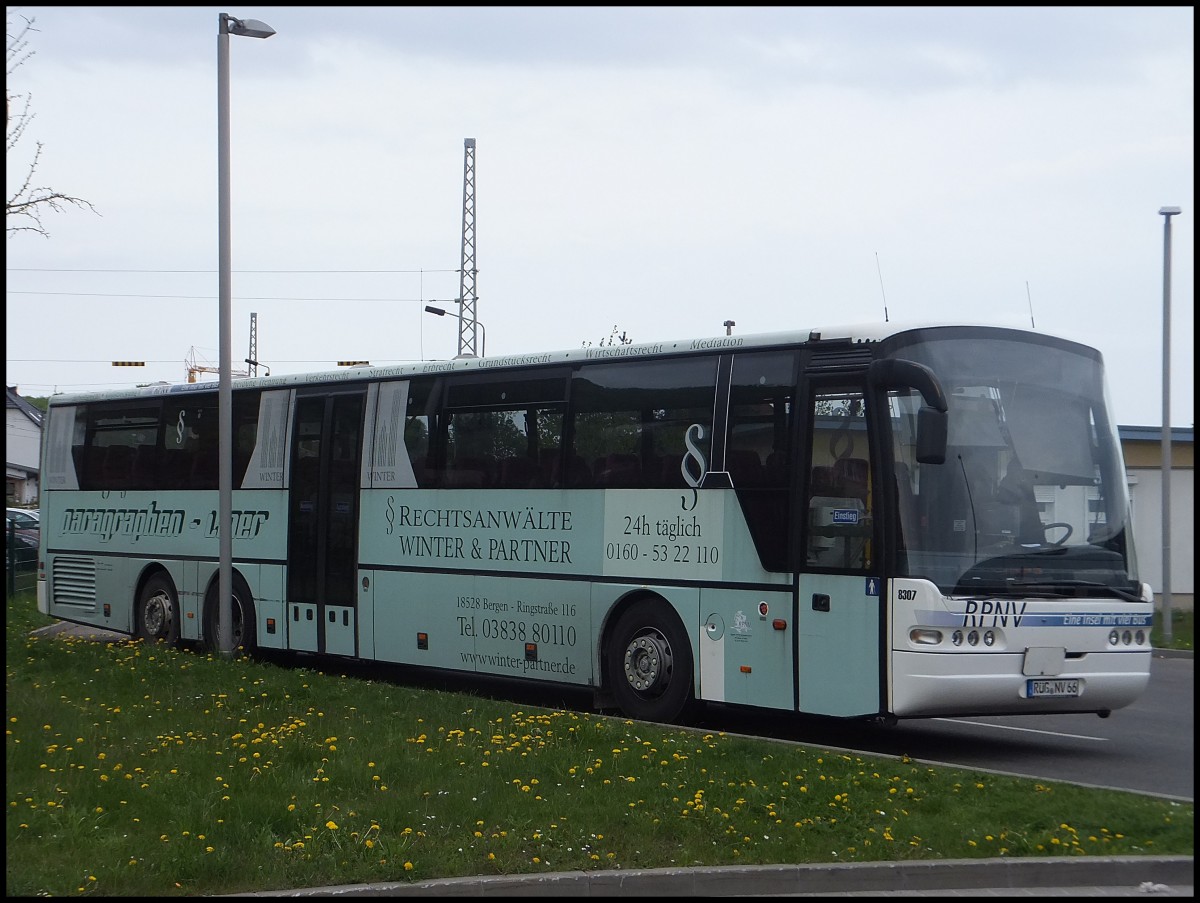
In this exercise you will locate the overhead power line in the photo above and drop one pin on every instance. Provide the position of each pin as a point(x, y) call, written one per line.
point(85, 360)
point(66, 270)
point(159, 297)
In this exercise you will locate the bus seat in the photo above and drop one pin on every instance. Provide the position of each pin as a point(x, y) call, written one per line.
point(744, 466)
point(672, 476)
point(850, 478)
point(576, 476)
point(469, 473)
point(175, 468)
point(777, 470)
point(118, 467)
point(421, 471)
point(650, 471)
point(822, 481)
point(620, 471)
point(519, 473)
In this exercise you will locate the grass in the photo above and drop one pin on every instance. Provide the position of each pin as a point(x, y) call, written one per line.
point(1183, 631)
point(140, 770)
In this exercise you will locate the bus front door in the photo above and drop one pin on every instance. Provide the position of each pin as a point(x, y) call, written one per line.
point(323, 523)
point(839, 614)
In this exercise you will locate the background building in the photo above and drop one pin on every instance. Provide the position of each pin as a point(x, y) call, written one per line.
point(22, 448)
point(1142, 447)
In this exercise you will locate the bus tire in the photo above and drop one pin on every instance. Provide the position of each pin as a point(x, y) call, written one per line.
point(245, 635)
point(650, 663)
point(156, 619)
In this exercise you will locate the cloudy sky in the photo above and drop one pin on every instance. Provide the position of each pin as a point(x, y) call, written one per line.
point(653, 171)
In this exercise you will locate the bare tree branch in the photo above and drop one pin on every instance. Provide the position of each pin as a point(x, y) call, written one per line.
point(25, 206)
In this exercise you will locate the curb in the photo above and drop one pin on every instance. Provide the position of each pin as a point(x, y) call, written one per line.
point(797, 880)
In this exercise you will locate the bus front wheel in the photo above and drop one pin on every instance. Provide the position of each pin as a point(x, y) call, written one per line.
point(157, 619)
point(650, 663)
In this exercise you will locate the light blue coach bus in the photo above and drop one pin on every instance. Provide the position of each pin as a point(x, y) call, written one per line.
point(859, 522)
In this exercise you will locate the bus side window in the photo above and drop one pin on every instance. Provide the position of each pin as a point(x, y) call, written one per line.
point(631, 421)
point(420, 425)
point(839, 523)
point(122, 439)
point(758, 446)
point(245, 432)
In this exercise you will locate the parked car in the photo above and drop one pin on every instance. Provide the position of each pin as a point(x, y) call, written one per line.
point(24, 518)
point(21, 550)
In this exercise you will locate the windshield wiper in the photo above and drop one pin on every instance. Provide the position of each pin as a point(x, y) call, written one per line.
point(1083, 584)
point(975, 587)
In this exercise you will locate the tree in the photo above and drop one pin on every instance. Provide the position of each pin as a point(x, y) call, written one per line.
point(25, 206)
point(613, 339)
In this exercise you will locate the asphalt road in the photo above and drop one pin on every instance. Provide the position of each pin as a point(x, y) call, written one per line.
point(1147, 747)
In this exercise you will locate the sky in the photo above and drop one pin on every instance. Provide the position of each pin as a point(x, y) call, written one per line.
point(641, 172)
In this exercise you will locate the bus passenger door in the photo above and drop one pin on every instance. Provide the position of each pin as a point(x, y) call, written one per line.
point(323, 522)
point(840, 613)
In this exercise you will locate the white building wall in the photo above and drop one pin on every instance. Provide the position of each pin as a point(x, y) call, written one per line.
point(22, 440)
point(1146, 499)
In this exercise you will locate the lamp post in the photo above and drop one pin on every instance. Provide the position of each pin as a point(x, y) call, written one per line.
point(445, 313)
point(250, 28)
point(1166, 213)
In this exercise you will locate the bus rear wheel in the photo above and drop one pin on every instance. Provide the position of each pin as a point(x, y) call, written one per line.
point(245, 637)
point(650, 663)
point(157, 616)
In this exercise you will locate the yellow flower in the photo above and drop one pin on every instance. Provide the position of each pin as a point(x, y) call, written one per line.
point(408, 866)
point(331, 825)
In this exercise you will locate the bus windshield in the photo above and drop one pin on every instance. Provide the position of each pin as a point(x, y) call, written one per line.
point(1031, 499)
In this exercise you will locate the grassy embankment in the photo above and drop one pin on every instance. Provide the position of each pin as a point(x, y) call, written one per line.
point(136, 770)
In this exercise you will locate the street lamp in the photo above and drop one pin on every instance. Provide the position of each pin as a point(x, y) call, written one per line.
point(250, 28)
point(445, 313)
point(1166, 213)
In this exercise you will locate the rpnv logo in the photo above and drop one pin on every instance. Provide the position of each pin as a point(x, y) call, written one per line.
point(845, 515)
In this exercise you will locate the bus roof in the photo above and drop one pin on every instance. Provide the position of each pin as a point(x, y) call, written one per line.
point(863, 333)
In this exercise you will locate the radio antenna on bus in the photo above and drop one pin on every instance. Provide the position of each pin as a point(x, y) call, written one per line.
point(881, 290)
point(1030, 299)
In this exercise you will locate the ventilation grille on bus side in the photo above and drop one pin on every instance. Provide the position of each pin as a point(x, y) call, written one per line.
point(839, 358)
point(74, 581)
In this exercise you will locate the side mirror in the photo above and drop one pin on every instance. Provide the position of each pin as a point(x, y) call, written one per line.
point(932, 425)
point(931, 435)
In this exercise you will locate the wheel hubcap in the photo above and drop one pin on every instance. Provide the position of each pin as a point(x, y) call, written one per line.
point(158, 615)
point(648, 663)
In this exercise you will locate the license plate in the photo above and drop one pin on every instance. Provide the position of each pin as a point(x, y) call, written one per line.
point(1065, 687)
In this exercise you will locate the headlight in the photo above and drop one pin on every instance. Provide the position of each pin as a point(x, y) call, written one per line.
point(924, 636)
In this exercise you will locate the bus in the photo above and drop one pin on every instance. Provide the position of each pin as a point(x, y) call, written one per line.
point(865, 522)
